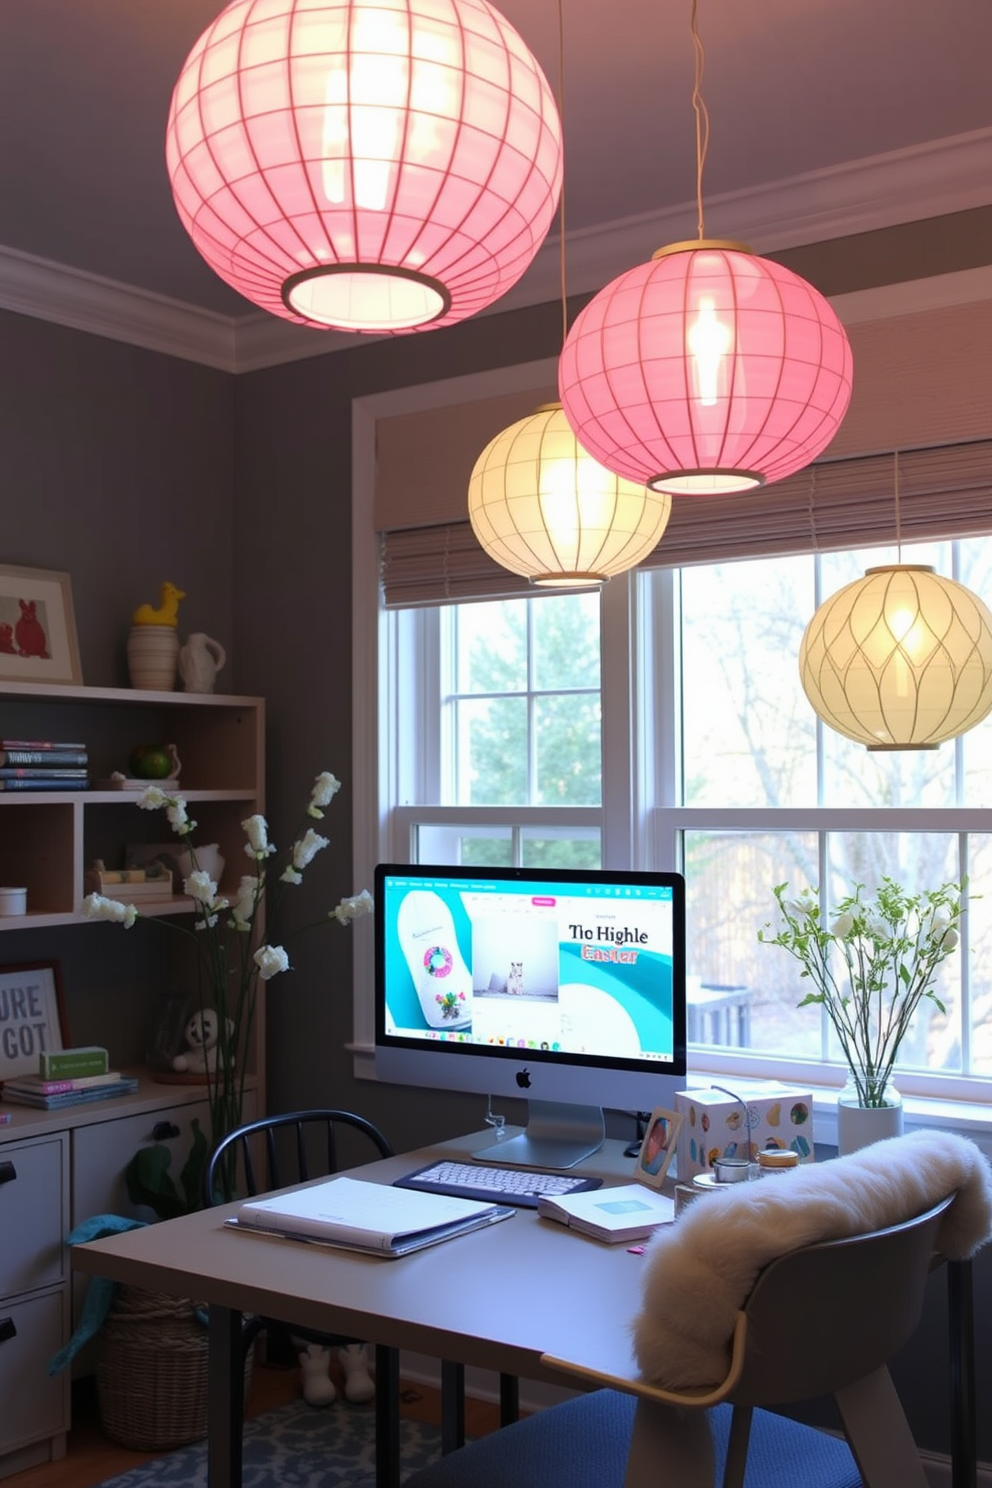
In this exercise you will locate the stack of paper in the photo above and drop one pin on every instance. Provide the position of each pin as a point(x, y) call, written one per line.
point(628, 1212)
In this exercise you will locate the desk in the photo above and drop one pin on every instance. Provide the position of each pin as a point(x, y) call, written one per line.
point(497, 1299)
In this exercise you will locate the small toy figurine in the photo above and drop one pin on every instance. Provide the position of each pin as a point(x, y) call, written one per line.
point(201, 1034)
point(168, 609)
point(359, 1386)
point(318, 1387)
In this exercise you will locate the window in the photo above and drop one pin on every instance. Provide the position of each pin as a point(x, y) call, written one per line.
point(662, 723)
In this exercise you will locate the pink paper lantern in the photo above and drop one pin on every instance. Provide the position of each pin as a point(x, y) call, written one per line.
point(371, 165)
point(706, 371)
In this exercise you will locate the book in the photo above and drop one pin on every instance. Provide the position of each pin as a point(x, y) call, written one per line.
point(45, 744)
point(43, 757)
point(37, 1085)
point(126, 1085)
point(630, 1211)
point(43, 772)
point(69, 1064)
point(43, 783)
point(375, 1218)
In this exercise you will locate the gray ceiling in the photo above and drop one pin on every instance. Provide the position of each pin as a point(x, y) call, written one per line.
point(792, 86)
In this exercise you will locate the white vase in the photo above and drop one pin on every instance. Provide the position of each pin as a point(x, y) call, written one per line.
point(152, 657)
point(859, 1126)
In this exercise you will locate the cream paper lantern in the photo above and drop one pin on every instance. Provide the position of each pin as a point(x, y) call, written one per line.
point(544, 508)
point(901, 659)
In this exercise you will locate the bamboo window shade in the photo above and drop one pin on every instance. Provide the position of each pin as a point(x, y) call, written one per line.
point(923, 386)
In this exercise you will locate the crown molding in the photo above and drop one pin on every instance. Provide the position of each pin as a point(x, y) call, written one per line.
point(929, 180)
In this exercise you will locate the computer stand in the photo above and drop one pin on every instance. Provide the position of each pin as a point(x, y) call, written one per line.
point(557, 1135)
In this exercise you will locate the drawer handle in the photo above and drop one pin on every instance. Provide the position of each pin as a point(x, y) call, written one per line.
point(7, 1172)
point(162, 1131)
point(7, 1329)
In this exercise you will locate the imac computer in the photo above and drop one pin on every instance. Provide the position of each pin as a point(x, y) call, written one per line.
point(565, 987)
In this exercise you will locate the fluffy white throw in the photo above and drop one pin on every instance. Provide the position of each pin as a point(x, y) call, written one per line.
point(701, 1269)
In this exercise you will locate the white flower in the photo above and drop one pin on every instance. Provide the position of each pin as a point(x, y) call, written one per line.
point(270, 960)
point(244, 905)
point(353, 908)
point(257, 830)
point(325, 787)
point(944, 932)
point(178, 820)
point(152, 798)
point(200, 886)
point(97, 907)
point(877, 928)
point(307, 848)
point(843, 925)
point(290, 875)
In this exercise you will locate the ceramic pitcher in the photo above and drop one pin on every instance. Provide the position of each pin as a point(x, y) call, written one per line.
point(200, 659)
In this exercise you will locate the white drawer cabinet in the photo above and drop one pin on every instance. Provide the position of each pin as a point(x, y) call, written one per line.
point(34, 1299)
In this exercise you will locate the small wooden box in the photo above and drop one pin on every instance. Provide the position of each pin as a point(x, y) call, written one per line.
point(132, 885)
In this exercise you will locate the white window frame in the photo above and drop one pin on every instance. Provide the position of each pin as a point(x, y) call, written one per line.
point(637, 829)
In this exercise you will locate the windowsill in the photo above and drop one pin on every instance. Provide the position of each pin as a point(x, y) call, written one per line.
point(969, 1118)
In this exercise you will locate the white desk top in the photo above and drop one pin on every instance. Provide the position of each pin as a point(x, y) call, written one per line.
point(497, 1299)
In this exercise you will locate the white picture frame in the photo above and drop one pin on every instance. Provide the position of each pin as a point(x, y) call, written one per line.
point(32, 1016)
point(37, 627)
point(658, 1147)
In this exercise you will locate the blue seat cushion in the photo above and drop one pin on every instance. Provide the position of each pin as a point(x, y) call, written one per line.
point(583, 1444)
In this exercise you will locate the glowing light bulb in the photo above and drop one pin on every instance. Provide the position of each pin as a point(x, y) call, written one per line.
point(709, 341)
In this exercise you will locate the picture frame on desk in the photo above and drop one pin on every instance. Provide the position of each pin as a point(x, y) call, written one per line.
point(32, 1015)
point(658, 1147)
point(37, 626)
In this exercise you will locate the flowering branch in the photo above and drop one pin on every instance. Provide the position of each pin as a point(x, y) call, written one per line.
point(886, 951)
point(232, 956)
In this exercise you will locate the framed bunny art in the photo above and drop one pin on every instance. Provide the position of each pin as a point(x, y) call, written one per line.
point(37, 627)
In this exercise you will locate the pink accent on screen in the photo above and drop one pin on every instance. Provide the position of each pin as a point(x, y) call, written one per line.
point(546, 901)
point(369, 167)
point(708, 360)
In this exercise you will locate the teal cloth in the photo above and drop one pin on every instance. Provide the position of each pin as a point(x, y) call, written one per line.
point(100, 1293)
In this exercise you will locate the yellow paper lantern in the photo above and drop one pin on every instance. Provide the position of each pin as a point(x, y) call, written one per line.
point(544, 508)
point(900, 659)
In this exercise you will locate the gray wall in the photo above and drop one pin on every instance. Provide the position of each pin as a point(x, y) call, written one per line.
point(125, 467)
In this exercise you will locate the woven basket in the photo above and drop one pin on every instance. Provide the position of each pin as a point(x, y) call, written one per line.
point(151, 1371)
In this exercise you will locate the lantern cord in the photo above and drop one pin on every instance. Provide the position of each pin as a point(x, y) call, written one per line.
point(898, 519)
point(702, 119)
point(561, 199)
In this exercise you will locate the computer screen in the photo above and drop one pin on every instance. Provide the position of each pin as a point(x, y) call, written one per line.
point(562, 986)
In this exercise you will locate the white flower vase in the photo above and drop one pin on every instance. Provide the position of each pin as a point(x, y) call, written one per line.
point(859, 1126)
point(152, 657)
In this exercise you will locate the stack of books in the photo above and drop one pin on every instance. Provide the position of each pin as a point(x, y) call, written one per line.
point(68, 1077)
point(43, 764)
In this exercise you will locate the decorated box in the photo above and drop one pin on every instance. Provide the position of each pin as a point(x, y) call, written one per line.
point(714, 1124)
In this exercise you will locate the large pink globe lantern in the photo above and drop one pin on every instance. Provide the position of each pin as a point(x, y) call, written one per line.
point(369, 165)
point(707, 370)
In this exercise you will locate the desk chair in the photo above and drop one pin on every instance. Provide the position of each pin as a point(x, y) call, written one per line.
point(298, 1145)
point(822, 1319)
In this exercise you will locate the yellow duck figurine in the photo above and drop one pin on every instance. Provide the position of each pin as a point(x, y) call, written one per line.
point(168, 609)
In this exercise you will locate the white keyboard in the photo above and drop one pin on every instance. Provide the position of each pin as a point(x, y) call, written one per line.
point(520, 1186)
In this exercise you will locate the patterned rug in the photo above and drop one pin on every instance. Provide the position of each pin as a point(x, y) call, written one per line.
point(296, 1444)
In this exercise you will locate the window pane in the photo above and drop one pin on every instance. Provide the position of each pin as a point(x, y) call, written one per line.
point(566, 641)
point(570, 848)
point(484, 847)
point(729, 881)
point(917, 862)
point(979, 941)
point(749, 735)
point(491, 744)
point(490, 646)
point(568, 746)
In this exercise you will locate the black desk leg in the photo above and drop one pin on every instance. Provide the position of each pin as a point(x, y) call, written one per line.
point(961, 1337)
point(387, 1417)
point(225, 1398)
point(509, 1399)
point(452, 1406)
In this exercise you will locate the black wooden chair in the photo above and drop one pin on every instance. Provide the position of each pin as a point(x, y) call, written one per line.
point(297, 1146)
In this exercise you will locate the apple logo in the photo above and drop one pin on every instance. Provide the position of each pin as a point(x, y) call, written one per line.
point(523, 1079)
